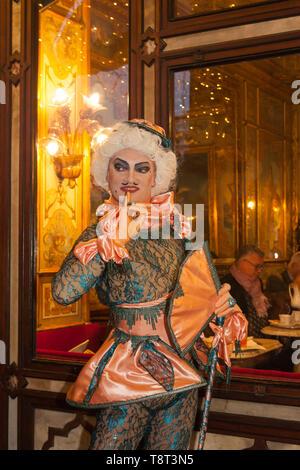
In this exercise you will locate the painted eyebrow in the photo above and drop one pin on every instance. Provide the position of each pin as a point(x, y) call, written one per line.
point(138, 165)
point(124, 163)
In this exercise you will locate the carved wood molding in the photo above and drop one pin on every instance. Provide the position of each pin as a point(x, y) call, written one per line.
point(12, 380)
point(151, 46)
point(79, 420)
point(15, 68)
point(171, 25)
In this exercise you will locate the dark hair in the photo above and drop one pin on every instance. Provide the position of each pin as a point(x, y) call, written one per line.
point(247, 249)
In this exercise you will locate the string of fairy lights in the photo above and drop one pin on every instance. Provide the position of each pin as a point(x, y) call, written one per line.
point(108, 45)
point(113, 19)
point(203, 105)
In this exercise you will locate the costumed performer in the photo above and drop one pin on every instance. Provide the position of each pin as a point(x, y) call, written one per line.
point(143, 382)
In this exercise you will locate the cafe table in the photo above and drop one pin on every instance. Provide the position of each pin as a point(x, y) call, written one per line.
point(252, 356)
point(286, 332)
point(257, 351)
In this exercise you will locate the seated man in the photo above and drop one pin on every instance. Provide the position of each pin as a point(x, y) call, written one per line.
point(277, 287)
point(247, 289)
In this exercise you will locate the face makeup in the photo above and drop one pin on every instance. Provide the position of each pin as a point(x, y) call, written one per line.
point(133, 173)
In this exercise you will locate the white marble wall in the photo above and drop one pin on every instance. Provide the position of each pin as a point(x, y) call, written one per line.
point(77, 439)
point(221, 442)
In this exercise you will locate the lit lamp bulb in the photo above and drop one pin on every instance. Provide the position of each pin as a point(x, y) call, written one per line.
point(61, 97)
point(276, 255)
point(251, 204)
point(52, 148)
point(100, 137)
point(94, 99)
point(92, 104)
point(52, 145)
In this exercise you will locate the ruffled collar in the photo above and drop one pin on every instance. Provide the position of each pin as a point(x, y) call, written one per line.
point(119, 223)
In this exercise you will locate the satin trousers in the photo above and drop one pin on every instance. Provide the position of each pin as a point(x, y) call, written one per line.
point(163, 423)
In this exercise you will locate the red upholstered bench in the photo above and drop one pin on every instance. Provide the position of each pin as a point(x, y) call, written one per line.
point(265, 374)
point(56, 343)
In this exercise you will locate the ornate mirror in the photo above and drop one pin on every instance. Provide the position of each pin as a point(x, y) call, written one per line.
point(236, 130)
point(82, 89)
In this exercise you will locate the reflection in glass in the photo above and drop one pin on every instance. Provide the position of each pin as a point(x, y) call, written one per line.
point(205, 127)
point(241, 114)
point(82, 90)
point(236, 131)
point(182, 8)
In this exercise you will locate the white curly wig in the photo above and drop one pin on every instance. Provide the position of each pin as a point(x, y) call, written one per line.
point(127, 136)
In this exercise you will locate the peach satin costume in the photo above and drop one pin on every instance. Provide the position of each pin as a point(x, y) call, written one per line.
point(161, 301)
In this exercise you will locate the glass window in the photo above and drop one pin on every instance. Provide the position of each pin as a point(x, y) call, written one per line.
point(205, 132)
point(82, 90)
point(183, 8)
point(236, 131)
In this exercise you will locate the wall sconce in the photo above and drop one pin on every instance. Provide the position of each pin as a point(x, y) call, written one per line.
point(62, 142)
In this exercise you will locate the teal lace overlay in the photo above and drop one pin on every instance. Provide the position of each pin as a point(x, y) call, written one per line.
point(149, 274)
point(132, 315)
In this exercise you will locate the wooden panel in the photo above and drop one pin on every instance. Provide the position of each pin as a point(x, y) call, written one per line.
point(233, 17)
point(5, 138)
point(136, 91)
point(33, 401)
point(260, 390)
point(255, 427)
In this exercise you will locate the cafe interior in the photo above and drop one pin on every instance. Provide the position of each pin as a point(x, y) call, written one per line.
point(223, 78)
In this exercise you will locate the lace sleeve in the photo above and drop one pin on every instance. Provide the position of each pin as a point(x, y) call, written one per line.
point(75, 279)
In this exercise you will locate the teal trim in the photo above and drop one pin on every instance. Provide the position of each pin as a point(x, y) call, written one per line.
point(211, 265)
point(131, 315)
point(228, 375)
point(98, 372)
point(237, 348)
point(164, 140)
point(137, 400)
point(146, 342)
point(204, 367)
point(136, 340)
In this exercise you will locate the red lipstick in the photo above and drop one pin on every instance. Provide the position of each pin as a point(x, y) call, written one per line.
point(129, 189)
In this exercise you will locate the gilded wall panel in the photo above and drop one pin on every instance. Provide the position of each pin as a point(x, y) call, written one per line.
point(63, 150)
